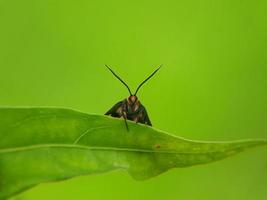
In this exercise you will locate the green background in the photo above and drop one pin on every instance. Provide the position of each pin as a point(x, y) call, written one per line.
point(212, 86)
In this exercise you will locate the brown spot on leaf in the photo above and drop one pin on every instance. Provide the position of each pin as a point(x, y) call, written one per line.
point(157, 146)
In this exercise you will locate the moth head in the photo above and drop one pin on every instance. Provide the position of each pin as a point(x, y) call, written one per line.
point(132, 99)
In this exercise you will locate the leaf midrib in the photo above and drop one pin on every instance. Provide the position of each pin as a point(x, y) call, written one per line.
point(34, 147)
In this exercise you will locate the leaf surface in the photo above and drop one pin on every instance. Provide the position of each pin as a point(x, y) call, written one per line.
point(50, 144)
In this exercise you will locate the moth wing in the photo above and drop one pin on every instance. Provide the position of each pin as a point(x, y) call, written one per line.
point(114, 111)
point(145, 119)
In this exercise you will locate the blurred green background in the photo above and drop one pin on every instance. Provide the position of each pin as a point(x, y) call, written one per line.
point(212, 86)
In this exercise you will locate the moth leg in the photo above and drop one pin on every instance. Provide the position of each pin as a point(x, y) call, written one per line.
point(125, 117)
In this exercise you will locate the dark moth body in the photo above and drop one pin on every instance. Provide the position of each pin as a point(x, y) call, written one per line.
point(130, 108)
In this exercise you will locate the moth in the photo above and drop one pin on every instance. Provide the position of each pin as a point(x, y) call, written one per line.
point(130, 108)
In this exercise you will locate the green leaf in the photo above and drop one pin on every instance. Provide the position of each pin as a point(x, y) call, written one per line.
point(49, 144)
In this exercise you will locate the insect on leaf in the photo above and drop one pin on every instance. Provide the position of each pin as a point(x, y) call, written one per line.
point(48, 144)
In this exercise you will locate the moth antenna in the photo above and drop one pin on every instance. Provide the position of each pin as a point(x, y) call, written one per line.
point(119, 79)
point(147, 79)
